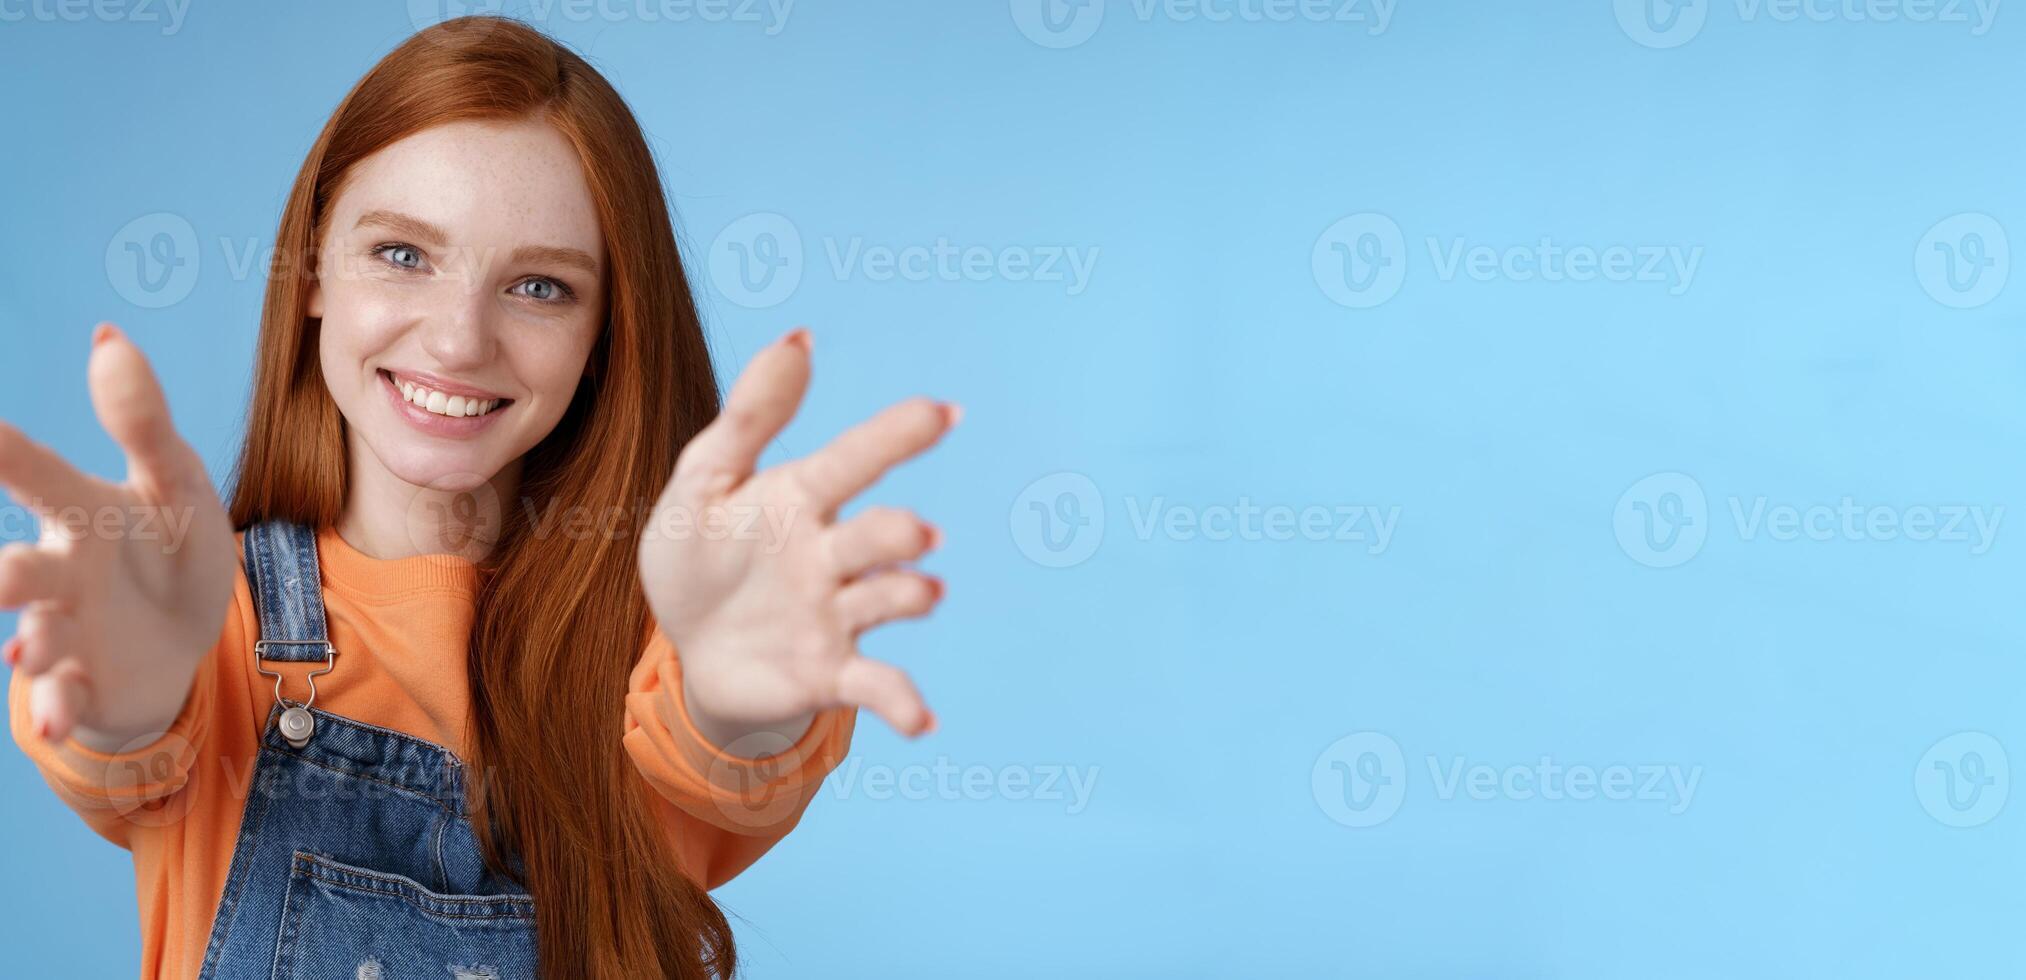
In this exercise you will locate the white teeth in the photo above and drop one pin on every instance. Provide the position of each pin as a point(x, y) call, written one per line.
point(453, 406)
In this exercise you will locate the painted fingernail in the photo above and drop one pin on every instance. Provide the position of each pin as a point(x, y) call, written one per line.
point(13, 652)
point(799, 337)
point(936, 585)
point(42, 729)
point(102, 334)
point(929, 726)
point(935, 537)
point(952, 414)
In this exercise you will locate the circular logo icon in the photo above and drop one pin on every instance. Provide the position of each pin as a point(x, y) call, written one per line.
point(1963, 261)
point(1360, 261)
point(756, 261)
point(1058, 23)
point(460, 514)
point(1962, 780)
point(1662, 520)
point(1360, 779)
point(152, 779)
point(1058, 521)
point(748, 774)
point(1662, 23)
point(153, 261)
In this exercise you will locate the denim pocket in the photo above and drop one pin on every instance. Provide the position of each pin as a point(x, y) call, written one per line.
point(342, 921)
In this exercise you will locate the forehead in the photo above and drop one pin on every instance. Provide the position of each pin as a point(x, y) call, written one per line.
point(495, 183)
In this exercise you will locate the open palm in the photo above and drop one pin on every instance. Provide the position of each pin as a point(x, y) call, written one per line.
point(127, 587)
point(761, 589)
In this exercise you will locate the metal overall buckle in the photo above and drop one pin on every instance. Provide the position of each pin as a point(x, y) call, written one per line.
point(297, 724)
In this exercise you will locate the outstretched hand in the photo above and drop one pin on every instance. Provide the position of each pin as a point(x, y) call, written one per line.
point(762, 591)
point(128, 586)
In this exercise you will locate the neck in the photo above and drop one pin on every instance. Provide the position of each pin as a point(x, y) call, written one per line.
point(387, 517)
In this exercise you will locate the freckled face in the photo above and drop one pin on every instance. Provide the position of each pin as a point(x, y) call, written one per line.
point(460, 289)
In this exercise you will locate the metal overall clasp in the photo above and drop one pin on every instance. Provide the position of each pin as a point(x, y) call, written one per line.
point(297, 724)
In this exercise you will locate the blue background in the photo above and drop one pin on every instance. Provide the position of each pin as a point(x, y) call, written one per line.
point(1226, 692)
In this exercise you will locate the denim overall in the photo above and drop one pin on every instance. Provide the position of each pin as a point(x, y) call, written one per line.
point(355, 858)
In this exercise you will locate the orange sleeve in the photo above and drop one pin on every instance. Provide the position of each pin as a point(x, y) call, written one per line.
point(722, 810)
point(140, 785)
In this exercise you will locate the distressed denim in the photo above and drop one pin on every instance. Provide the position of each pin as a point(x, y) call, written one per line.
point(356, 859)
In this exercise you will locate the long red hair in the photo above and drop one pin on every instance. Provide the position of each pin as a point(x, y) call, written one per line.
point(561, 617)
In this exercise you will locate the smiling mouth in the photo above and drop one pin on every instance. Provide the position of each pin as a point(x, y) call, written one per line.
point(441, 403)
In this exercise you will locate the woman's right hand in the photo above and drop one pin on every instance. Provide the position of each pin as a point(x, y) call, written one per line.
point(128, 587)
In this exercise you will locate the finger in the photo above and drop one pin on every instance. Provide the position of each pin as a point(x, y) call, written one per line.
point(44, 638)
point(29, 573)
point(859, 457)
point(879, 536)
point(57, 699)
point(134, 412)
point(886, 597)
point(760, 405)
point(39, 478)
point(887, 692)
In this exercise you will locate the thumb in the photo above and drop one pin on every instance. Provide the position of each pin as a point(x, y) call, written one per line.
point(132, 409)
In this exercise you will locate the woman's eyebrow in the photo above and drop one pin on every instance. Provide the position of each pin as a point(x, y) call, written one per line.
point(539, 254)
point(406, 225)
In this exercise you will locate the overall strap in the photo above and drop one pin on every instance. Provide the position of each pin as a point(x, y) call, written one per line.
point(288, 592)
point(281, 565)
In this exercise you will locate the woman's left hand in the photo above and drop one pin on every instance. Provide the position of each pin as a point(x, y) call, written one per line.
point(762, 591)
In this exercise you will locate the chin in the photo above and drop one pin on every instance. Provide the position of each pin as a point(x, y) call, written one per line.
point(435, 469)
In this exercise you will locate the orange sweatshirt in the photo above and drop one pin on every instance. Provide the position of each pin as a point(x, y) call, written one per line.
point(400, 628)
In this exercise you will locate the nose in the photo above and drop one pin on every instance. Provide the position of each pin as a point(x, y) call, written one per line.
point(459, 333)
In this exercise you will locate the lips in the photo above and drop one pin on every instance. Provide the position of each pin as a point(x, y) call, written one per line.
point(455, 406)
point(443, 407)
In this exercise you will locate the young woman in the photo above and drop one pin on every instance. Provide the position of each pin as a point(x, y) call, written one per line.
point(449, 705)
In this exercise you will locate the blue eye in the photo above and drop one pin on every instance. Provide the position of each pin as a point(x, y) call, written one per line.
point(400, 256)
point(543, 290)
